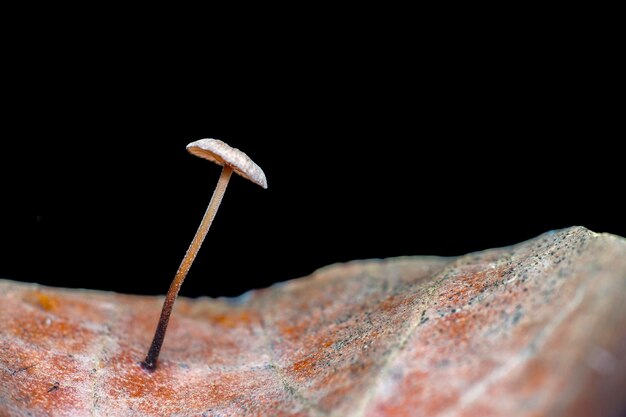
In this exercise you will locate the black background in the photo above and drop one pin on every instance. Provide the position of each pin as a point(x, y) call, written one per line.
point(371, 148)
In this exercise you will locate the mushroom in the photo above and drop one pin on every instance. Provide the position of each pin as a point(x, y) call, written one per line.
point(231, 159)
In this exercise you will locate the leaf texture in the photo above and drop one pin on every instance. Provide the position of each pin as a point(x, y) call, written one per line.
point(536, 329)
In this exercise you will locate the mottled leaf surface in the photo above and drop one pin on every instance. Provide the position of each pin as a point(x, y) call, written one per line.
point(537, 329)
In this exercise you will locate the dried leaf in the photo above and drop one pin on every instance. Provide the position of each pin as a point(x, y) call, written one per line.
point(538, 329)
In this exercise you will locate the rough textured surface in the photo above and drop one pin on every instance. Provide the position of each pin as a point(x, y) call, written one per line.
point(538, 329)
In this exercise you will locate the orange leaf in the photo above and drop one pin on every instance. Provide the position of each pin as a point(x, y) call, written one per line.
point(538, 329)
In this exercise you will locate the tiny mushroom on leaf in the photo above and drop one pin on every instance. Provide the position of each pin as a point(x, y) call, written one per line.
point(231, 159)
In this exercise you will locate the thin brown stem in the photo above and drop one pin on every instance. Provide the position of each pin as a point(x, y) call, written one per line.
point(153, 354)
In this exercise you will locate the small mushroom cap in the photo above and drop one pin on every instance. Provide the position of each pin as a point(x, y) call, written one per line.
point(222, 154)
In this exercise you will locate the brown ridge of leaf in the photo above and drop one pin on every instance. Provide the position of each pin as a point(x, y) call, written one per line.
point(537, 329)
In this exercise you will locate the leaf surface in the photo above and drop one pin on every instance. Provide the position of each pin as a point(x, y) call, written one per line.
point(537, 329)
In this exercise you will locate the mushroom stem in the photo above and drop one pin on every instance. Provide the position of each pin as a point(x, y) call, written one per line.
point(153, 354)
